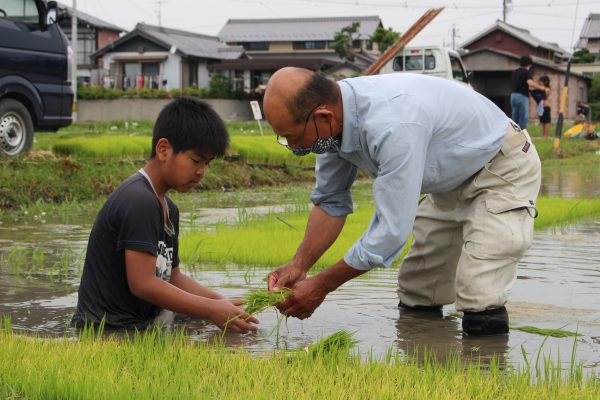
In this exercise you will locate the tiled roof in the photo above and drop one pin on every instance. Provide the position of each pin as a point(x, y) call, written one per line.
point(294, 29)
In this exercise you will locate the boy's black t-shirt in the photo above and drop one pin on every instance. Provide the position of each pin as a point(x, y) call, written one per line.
point(519, 80)
point(131, 219)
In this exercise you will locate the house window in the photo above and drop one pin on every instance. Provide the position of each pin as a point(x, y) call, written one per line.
point(356, 44)
point(369, 45)
point(310, 45)
point(256, 46)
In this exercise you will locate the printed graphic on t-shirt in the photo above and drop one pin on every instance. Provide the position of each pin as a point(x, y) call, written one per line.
point(164, 261)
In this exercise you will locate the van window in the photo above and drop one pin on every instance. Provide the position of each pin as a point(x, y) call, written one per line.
point(458, 72)
point(414, 63)
point(20, 10)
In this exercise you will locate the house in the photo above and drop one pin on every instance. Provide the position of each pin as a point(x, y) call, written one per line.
point(157, 57)
point(492, 55)
point(271, 44)
point(589, 38)
point(92, 34)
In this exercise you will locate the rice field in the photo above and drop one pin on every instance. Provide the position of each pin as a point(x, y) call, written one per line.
point(271, 240)
point(262, 150)
point(160, 365)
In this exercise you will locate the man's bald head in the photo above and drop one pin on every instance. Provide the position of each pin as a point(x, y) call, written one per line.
point(297, 91)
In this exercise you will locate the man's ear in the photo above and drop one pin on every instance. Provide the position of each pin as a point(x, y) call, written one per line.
point(324, 113)
point(163, 149)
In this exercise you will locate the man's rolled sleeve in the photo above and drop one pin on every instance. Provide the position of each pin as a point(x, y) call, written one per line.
point(401, 159)
point(334, 177)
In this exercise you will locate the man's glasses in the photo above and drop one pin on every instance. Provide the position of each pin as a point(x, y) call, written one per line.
point(284, 142)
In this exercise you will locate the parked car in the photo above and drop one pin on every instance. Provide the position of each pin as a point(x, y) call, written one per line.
point(35, 88)
point(430, 60)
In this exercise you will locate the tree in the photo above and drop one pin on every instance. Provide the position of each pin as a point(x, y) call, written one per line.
point(343, 41)
point(583, 56)
point(384, 38)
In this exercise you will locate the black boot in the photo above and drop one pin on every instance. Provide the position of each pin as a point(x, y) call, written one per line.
point(435, 309)
point(488, 322)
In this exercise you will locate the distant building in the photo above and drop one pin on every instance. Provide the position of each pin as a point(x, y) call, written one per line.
point(158, 57)
point(271, 44)
point(589, 38)
point(92, 34)
point(493, 54)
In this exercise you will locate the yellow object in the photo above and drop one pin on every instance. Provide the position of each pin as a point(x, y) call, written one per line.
point(576, 130)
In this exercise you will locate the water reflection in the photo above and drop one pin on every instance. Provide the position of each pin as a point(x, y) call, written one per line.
point(571, 182)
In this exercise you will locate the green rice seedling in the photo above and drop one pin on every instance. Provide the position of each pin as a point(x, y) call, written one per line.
point(259, 300)
point(265, 150)
point(556, 212)
point(340, 341)
point(104, 147)
point(269, 240)
point(135, 367)
point(558, 333)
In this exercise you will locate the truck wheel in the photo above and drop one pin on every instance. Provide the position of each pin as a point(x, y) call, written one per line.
point(16, 128)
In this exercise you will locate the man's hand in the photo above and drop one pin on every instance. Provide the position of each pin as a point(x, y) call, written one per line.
point(307, 295)
point(288, 275)
point(226, 314)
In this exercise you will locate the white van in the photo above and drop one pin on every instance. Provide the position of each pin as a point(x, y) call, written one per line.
point(430, 60)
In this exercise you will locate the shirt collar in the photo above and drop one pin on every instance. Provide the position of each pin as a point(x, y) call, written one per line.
point(350, 133)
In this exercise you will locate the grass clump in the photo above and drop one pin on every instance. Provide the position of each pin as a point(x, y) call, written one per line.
point(340, 341)
point(558, 333)
point(261, 299)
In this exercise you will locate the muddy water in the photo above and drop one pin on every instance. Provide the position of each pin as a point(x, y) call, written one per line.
point(557, 287)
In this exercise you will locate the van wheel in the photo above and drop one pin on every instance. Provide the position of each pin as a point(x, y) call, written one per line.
point(16, 128)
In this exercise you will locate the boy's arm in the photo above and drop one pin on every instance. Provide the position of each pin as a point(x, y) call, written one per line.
point(143, 283)
point(184, 282)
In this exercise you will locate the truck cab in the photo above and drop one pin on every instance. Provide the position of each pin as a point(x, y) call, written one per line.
point(429, 60)
point(35, 89)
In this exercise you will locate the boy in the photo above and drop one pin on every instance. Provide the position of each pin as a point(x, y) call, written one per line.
point(131, 268)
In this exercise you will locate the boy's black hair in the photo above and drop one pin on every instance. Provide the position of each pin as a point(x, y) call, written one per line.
point(190, 124)
point(525, 61)
point(545, 80)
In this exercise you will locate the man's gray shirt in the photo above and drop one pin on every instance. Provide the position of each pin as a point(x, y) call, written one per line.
point(414, 134)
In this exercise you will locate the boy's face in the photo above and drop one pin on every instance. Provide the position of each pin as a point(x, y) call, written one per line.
point(185, 169)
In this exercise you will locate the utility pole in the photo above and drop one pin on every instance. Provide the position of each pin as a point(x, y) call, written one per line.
point(454, 36)
point(74, 60)
point(506, 5)
point(159, 10)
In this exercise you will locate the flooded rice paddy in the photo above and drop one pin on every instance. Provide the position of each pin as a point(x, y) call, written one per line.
point(558, 284)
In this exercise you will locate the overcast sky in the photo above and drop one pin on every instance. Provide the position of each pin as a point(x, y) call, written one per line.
point(558, 21)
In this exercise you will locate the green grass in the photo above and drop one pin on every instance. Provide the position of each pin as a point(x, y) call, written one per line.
point(155, 365)
point(272, 240)
point(559, 333)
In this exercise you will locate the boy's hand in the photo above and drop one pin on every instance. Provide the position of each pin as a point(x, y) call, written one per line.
point(228, 316)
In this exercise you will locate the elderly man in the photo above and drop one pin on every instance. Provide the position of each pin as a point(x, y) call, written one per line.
point(414, 134)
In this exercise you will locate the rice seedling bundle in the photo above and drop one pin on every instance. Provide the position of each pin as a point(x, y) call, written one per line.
point(259, 300)
point(342, 340)
point(558, 333)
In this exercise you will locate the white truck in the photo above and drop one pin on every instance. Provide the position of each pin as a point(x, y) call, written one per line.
point(429, 60)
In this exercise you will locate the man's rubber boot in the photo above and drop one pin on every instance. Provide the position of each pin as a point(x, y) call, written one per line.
point(488, 322)
point(434, 309)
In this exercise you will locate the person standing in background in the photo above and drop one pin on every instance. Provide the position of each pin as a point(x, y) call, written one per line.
point(545, 117)
point(522, 83)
